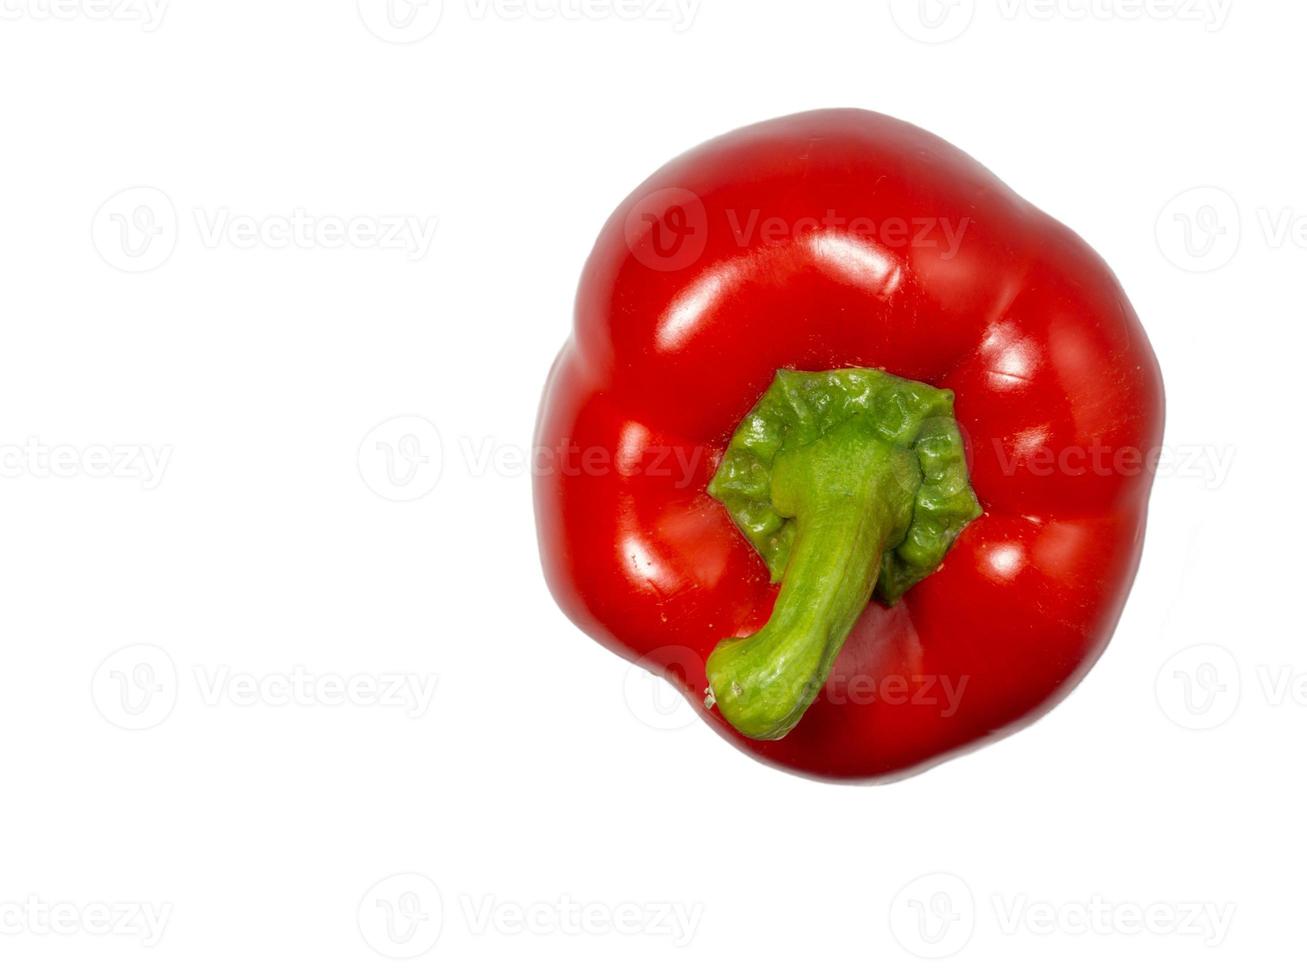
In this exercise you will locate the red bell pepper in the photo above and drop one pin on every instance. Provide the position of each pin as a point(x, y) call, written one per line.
point(850, 442)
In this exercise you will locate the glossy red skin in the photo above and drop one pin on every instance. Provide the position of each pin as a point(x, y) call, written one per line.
point(1025, 323)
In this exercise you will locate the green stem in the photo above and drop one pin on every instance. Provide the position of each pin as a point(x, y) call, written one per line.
point(850, 495)
point(845, 482)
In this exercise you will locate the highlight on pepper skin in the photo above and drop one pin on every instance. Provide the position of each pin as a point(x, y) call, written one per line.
point(864, 348)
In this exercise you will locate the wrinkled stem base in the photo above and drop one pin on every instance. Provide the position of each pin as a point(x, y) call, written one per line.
point(851, 496)
point(848, 483)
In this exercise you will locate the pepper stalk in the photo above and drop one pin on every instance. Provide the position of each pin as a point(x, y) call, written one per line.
point(848, 483)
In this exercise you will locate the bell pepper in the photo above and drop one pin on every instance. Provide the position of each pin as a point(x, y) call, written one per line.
point(850, 443)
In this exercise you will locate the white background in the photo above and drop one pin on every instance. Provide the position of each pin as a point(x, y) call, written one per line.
point(202, 541)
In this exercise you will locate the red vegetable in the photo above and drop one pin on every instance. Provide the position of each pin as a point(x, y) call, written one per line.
point(825, 241)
